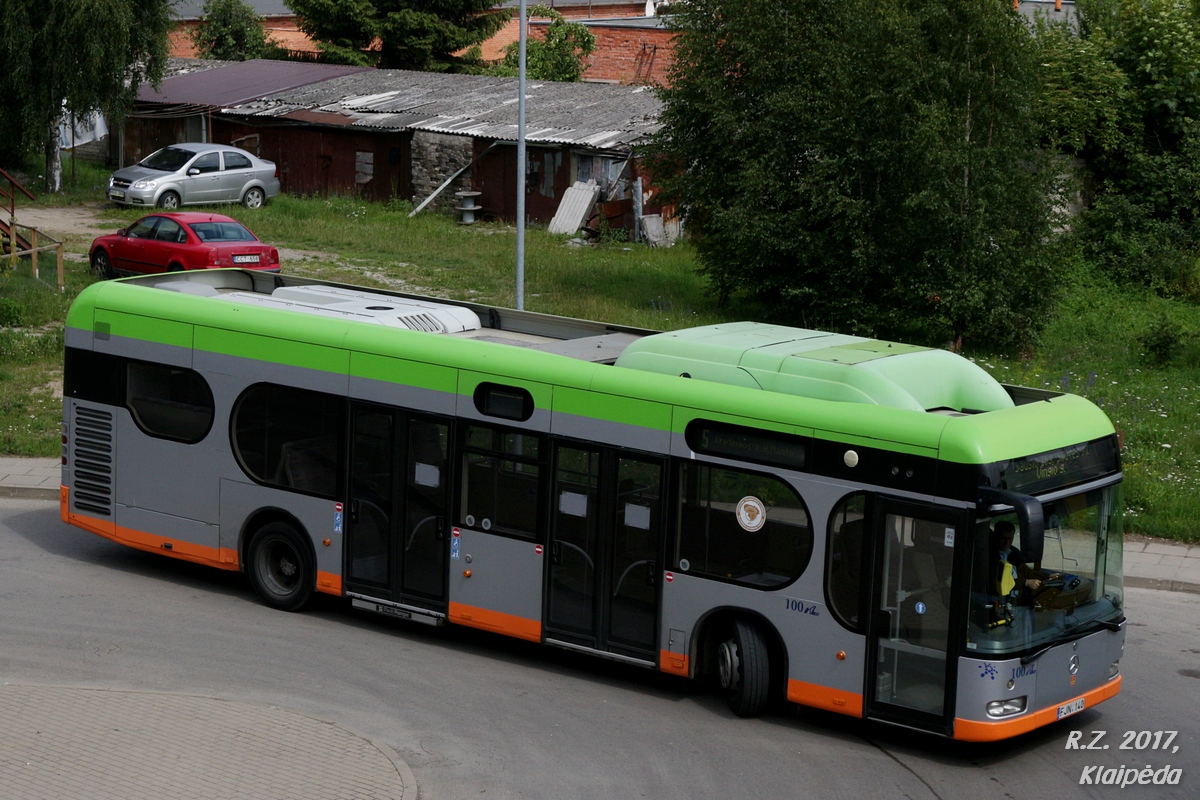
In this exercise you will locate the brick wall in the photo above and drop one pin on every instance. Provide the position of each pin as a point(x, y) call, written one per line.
point(630, 55)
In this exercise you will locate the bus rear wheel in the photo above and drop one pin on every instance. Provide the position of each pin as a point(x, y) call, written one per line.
point(744, 669)
point(281, 568)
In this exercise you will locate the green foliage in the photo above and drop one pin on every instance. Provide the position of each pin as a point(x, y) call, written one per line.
point(560, 55)
point(1163, 341)
point(872, 176)
point(90, 55)
point(1143, 226)
point(230, 30)
point(1083, 104)
point(398, 34)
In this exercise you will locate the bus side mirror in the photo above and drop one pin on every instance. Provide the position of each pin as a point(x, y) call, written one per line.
point(1029, 516)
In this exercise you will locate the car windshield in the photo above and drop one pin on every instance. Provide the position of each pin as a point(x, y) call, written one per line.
point(169, 159)
point(222, 232)
point(1018, 604)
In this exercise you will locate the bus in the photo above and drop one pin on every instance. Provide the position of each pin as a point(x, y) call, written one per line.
point(794, 516)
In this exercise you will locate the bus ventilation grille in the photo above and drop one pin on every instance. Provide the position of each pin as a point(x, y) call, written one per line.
point(421, 322)
point(91, 461)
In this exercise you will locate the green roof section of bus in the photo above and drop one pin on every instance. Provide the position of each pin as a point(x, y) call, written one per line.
point(820, 365)
point(788, 363)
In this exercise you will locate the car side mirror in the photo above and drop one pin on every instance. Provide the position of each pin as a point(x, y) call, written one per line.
point(194, 171)
point(121, 232)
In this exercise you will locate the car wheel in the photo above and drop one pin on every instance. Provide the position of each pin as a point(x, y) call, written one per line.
point(253, 198)
point(280, 567)
point(101, 265)
point(744, 668)
point(169, 201)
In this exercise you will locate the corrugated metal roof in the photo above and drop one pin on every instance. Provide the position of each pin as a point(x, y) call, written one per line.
point(603, 116)
point(237, 82)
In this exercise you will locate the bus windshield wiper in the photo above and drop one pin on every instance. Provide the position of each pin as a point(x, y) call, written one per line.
point(1034, 656)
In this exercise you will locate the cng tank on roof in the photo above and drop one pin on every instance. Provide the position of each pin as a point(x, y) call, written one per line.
point(820, 365)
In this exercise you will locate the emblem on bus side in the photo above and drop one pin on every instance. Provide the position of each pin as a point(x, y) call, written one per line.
point(751, 513)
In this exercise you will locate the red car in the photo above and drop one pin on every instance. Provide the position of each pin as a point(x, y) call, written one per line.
point(175, 241)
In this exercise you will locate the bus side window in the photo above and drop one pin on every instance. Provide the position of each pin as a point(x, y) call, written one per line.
point(742, 526)
point(501, 486)
point(843, 572)
point(290, 438)
point(169, 402)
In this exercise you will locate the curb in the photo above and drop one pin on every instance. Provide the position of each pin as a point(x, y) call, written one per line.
point(29, 492)
point(1163, 585)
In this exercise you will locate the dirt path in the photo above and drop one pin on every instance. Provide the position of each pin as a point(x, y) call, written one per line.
point(59, 221)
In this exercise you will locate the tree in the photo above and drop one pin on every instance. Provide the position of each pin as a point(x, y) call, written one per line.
point(559, 55)
point(77, 56)
point(862, 165)
point(229, 30)
point(398, 34)
point(1143, 224)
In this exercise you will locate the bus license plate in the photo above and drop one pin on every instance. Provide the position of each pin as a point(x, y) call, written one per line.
point(245, 259)
point(1073, 707)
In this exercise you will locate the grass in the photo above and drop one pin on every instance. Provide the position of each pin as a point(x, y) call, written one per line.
point(1102, 345)
point(1135, 355)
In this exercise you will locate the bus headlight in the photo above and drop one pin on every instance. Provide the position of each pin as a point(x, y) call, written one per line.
point(1114, 669)
point(1006, 708)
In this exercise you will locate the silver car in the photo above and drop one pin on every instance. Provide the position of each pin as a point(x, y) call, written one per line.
point(191, 174)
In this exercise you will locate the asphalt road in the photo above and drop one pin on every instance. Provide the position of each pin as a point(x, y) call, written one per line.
point(476, 715)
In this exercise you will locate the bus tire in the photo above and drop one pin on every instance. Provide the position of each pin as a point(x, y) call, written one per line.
point(281, 567)
point(744, 669)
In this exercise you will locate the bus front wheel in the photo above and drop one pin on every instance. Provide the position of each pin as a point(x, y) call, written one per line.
point(743, 666)
point(281, 568)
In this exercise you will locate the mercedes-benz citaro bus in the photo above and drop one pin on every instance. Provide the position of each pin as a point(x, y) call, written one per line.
point(798, 514)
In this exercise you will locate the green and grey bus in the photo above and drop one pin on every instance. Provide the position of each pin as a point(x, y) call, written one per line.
point(805, 516)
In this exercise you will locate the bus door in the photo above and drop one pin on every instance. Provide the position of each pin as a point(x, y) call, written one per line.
point(398, 535)
point(605, 540)
point(911, 667)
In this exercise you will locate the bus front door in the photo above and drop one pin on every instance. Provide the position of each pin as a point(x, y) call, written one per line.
point(398, 499)
point(911, 674)
point(604, 550)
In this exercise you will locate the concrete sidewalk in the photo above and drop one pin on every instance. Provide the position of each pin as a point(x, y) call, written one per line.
point(62, 741)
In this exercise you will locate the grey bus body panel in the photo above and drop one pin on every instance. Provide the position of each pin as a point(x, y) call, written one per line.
point(505, 577)
point(1056, 677)
point(168, 477)
point(615, 434)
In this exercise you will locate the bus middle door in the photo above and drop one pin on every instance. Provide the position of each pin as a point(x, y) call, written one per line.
point(399, 486)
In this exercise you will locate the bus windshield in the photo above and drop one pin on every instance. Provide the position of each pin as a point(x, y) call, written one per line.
point(1018, 605)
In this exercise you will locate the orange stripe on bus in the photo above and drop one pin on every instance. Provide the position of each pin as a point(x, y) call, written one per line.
point(969, 730)
point(329, 583)
point(817, 696)
point(673, 663)
point(151, 543)
point(496, 622)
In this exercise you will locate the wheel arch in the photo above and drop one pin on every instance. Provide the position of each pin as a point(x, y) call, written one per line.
point(712, 628)
point(263, 517)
